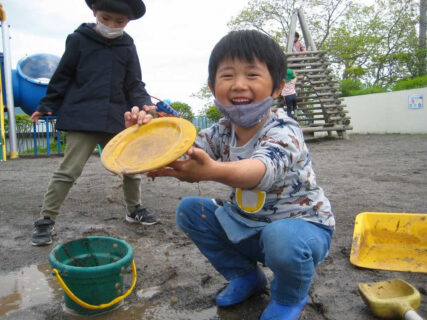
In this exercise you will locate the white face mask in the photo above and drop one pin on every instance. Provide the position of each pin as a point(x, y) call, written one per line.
point(108, 32)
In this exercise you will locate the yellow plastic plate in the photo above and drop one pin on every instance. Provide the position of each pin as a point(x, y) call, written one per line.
point(390, 241)
point(148, 147)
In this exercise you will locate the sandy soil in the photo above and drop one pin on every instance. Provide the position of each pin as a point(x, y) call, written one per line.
point(386, 173)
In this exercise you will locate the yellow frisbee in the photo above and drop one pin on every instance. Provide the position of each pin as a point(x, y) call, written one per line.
point(148, 147)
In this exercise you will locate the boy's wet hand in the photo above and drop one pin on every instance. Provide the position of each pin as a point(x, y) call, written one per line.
point(151, 110)
point(136, 116)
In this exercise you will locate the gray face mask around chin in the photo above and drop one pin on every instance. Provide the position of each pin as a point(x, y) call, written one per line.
point(246, 115)
point(108, 32)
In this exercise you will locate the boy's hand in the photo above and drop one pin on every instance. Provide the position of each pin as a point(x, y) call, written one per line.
point(37, 114)
point(136, 116)
point(198, 167)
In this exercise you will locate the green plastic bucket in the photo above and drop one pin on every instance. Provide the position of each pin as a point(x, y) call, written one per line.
point(91, 272)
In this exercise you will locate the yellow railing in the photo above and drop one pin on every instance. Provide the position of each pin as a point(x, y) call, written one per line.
point(3, 136)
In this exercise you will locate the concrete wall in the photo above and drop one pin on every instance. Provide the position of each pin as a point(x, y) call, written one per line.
point(387, 112)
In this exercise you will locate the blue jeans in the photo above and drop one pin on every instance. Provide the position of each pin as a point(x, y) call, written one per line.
point(291, 248)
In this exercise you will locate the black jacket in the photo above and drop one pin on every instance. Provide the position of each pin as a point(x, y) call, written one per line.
point(96, 81)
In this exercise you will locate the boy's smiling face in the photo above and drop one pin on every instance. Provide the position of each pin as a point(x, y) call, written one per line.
point(242, 82)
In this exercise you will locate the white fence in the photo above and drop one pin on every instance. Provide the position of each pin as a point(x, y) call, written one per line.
point(392, 112)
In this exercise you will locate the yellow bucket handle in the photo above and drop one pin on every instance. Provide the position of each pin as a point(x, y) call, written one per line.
point(91, 306)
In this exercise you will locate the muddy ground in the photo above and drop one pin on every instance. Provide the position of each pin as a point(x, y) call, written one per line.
point(385, 173)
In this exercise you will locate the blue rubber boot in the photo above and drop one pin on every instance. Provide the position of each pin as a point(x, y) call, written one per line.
point(242, 288)
point(275, 311)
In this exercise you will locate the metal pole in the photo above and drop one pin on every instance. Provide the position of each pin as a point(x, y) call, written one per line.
point(306, 33)
point(47, 135)
point(8, 83)
point(291, 35)
point(58, 139)
point(35, 138)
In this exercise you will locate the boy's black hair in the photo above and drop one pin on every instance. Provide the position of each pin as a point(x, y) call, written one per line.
point(114, 6)
point(296, 35)
point(248, 45)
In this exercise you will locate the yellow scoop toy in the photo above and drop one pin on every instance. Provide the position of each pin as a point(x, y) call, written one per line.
point(148, 147)
point(391, 299)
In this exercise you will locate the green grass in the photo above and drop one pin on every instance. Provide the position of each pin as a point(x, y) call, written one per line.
point(43, 150)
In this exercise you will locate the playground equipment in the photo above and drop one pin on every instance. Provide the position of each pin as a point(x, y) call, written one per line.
point(319, 102)
point(2, 131)
point(8, 84)
point(30, 81)
point(31, 78)
point(23, 87)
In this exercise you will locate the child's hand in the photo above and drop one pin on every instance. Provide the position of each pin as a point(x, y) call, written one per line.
point(198, 167)
point(136, 116)
point(37, 114)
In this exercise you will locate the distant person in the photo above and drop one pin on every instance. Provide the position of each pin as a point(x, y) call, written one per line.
point(97, 80)
point(298, 46)
point(290, 94)
point(276, 213)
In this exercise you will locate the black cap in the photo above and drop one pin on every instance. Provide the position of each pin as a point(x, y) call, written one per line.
point(137, 7)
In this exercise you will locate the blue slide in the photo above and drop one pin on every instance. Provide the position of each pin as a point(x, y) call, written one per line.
point(30, 80)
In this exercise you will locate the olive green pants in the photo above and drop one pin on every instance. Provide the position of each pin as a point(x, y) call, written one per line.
point(80, 145)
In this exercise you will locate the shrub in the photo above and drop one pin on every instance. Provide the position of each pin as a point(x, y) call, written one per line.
point(368, 90)
point(23, 123)
point(411, 83)
point(349, 85)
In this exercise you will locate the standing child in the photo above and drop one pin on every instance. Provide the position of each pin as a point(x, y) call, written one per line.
point(276, 213)
point(97, 80)
point(290, 93)
point(297, 46)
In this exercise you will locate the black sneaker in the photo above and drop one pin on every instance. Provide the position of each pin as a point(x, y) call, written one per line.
point(141, 215)
point(43, 231)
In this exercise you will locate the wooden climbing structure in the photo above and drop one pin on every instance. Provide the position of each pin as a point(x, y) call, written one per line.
point(320, 107)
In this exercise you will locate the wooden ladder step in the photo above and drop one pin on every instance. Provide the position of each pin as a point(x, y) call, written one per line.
point(325, 128)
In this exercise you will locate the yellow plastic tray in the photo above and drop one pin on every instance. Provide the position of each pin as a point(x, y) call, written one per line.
point(390, 241)
point(148, 147)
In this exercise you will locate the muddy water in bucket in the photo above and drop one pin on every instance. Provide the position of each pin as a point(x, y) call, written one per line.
point(91, 271)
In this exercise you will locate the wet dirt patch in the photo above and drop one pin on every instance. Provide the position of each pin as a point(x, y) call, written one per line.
point(385, 173)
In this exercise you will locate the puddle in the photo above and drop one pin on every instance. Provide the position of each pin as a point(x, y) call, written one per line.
point(27, 287)
point(35, 285)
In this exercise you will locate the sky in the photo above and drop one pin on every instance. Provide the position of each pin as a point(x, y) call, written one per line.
point(173, 39)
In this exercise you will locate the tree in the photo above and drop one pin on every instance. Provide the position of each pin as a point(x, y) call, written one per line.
point(377, 44)
point(204, 94)
point(183, 109)
point(213, 114)
point(273, 17)
point(422, 38)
